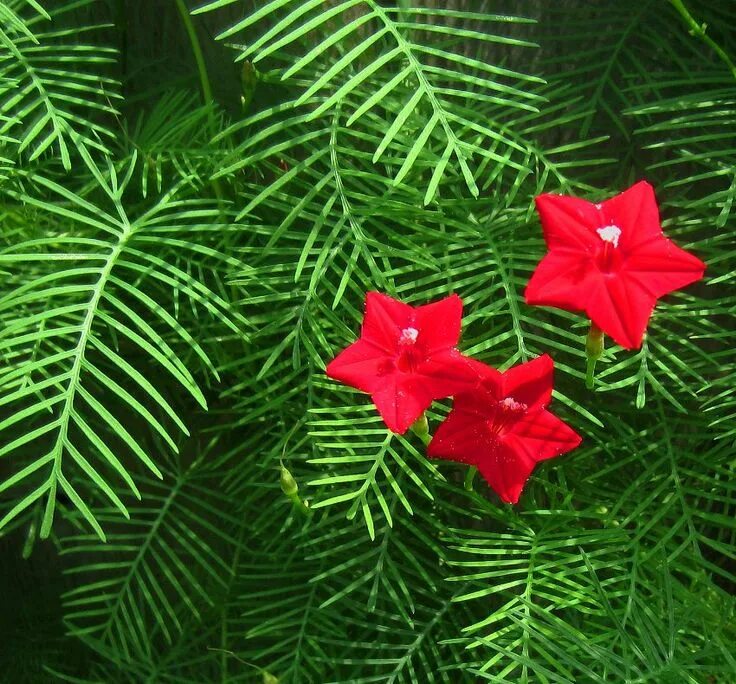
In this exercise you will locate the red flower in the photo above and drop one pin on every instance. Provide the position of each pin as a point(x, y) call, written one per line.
point(406, 357)
point(610, 260)
point(503, 427)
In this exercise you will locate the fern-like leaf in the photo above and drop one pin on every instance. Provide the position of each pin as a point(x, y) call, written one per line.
point(67, 380)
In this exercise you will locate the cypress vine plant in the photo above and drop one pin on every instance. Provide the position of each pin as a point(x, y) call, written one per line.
point(195, 199)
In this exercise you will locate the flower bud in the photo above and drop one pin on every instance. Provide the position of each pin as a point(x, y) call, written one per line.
point(288, 483)
point(268, 678)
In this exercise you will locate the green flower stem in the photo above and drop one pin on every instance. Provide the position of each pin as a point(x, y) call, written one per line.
point(300, 505)
point(698, 30)
point(421, 429)
point(469, 477)
point(593, 352)
point(590, 373)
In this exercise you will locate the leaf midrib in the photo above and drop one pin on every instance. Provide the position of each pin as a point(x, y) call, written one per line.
point(75, 378)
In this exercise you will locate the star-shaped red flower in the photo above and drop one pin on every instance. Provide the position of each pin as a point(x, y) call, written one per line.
point(504, 428)
point(406, 357)
point(610, 260)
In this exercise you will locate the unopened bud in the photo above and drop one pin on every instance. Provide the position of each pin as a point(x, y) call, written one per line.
point(288, 483)
point(268, 678)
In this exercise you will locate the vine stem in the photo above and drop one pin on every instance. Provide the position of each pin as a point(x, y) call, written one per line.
point(204, 79)
point(698, 30)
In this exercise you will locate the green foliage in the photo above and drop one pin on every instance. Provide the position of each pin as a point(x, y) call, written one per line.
point(61, 368)
point(161, 560)
point(179, 267)
point(52, 87)
point(407, 57)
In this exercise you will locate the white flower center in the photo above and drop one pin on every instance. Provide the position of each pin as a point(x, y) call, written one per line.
point(409, 336)
point(512, 405)
point(610, 234)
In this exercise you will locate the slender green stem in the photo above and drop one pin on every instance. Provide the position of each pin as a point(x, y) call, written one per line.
point(469, 477)
point(590, 373)
point(121, 21)
point(204, 79)
point(698, 30)
point(300, 506)
point(225, 652)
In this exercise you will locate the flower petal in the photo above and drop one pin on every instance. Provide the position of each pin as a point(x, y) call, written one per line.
point(400, 400)
point(439, 323)
point(461, 437)
point(568, 222)
point(541, 435)
point(563, 278)
point(635, 211)
point(362, 365)
point(385, 317)
point(448, 372)
point(507, 472)
point(621, 308)
point(530, 383)
point(483, 399)
point(660, 266)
